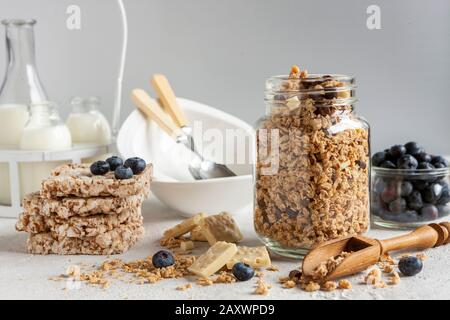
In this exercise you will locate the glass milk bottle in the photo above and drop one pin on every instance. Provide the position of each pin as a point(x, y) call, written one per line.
point(21, 86)
point(45, 132)
point(87, 124)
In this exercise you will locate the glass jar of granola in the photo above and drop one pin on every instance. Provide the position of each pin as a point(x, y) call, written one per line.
point(312, 163)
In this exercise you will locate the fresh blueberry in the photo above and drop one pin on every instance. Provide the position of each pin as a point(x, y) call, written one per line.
point(429, 212)
point(415, 201)
point(123, 172)
point(397, 151)
point(432, 193)
point(445, 194)
point(114, 162)
point(389, 194)
point(243, 272)
point(420, 184)
point(99, 168)
point(439, 159)
point(412, 148)
point(439, 165)
point(408, 216)
point(397, 206)
point(423, 157)
point(136, 164)
point(388, 164)
point(407, 162)
point(162, 259)
point(410, 266)
point(443, 210)
point(378, 158)
point(406, 188)
point(425, 166)
point(379, 185)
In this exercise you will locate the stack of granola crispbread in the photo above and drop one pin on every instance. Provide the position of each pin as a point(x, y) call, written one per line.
point(77, 212)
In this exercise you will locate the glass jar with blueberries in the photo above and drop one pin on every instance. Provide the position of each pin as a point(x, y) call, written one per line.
point(409, 187)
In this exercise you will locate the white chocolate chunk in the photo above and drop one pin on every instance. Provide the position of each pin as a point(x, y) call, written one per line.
point(186, 245)
point(221, 227)
point(197, 234)
point(184, 227)
point(256, 257)
point(213, 259)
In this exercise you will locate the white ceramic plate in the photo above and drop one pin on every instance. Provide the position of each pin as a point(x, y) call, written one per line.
point(173, 184)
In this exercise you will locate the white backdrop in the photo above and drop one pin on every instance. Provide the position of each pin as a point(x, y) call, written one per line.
point(221, 52)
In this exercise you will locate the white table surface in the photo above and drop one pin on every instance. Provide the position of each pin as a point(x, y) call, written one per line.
point(25, 276)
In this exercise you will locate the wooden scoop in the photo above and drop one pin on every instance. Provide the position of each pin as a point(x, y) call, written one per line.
point(366, 251)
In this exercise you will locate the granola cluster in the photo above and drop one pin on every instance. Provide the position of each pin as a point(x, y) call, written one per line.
point(312, 172)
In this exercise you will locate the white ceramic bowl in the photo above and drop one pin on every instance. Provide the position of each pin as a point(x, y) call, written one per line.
point(172, 184)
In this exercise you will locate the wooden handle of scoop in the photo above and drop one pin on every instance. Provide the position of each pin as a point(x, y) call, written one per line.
point(152, 110)
point(424, 237)
point(168, 99)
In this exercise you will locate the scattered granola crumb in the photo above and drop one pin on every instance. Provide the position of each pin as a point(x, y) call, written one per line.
point(186, 245)
point(345, 284)
point(259, 274)
point(395, 278)
point(387, 258)
point(262, 288)
point(310, 286)
point(329, 286)
point(273, 269)
point(289, 284)
point(421, 256)
point(225, 277)
point(204, 282)
point(374, 278)
point(184, 287)
point(171, 243)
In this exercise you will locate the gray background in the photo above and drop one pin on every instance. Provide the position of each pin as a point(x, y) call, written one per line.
point(221, 52)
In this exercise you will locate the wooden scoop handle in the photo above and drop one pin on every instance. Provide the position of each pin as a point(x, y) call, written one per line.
point(152, 110)
point(168, 99)
point(422, 238)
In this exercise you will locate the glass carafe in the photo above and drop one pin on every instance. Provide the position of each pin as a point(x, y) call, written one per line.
point(43, 131)
point(21, 86)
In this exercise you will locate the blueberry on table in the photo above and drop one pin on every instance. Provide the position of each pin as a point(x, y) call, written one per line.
point(123, 173)
point(425, 166)
point(99, 168)
point(388, 165)
point(413, 148)
point(389, 194)
point(407, 162)
point(136, 164)
point(429, 212)
point(397, 151)
point(406, 188)
point(410, 266)
point(242, 271)
point(114, 162)
point(378, 158)
point(162, 259)
point(397, 206)
point(414, 200)
point(439, 159)
point(423, 157)
point(432, 193)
